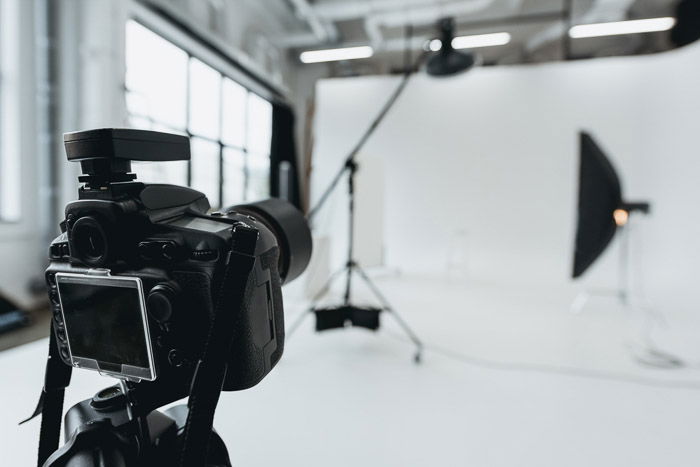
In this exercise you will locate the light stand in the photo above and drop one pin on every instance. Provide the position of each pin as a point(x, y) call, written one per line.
point(352, 313)
point(446, 62)
point(649, 354)
point(622, 291)
point(349, 313)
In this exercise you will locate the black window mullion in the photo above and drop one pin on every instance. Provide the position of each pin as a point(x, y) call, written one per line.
point(221, 141)
point(187, 117)
point(244, 149)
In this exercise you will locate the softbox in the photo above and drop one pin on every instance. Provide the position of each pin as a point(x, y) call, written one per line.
point(599, 196)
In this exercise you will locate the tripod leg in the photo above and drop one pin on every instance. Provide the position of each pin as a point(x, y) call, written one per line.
point(579, 302)
point(387, 306)
point(302, 316)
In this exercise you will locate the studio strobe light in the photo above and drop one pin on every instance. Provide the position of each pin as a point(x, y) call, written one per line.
point(603, 214)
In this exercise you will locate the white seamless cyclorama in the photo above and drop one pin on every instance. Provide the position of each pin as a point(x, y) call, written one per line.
point(493, 153)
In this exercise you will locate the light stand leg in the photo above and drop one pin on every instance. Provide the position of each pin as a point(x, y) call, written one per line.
point(387, 307)
point(314, 301)
point(646, 352)
point(351, 265)
point(624, 267)
point(579, 302)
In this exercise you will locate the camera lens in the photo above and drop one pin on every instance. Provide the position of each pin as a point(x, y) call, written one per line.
point(89, 242)
point(291, 230)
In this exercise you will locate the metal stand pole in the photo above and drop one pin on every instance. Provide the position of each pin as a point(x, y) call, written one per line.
point(648, 354)
point(351, 267)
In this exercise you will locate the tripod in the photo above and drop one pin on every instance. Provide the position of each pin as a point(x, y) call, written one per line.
point(350, 311)
point(648, 353)
point(105, 431)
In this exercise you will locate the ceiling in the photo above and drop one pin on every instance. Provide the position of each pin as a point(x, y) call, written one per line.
point(537, 27)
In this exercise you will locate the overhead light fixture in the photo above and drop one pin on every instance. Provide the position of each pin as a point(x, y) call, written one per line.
point(333, 55)
point(481, 40)
point(622, 27)
point(473, 41)
point(446, 60)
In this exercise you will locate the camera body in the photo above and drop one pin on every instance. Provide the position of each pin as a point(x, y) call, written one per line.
point(161, 241)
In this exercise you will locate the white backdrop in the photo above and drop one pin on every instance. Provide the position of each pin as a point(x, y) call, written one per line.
point(494, 153)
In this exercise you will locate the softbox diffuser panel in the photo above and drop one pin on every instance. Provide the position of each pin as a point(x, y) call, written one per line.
point(598, 197)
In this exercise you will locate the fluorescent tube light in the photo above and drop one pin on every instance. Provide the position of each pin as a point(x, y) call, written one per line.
point(622, 27)
point(481, 40)
point(331, 55)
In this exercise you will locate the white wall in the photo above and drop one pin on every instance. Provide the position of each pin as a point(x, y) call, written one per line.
point(494, 152)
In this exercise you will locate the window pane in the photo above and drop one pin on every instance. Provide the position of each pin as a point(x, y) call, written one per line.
point(172, 172)
point(156, 76)
point(205, 169)
point(205, 99)
point(10, 188)
point(259, 124)
point(258, 177)
point(139, 122)
point(233, 113)
point(234, 177)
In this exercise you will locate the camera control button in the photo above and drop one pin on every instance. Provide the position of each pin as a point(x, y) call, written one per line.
point(161, 249)
point(108, 399)
point(171, 251)
point(205, 255)
point(148, 250)
point(55, 251)
point(176, 358)
point(160, 302)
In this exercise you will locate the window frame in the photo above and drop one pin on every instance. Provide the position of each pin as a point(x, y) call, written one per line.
point(195, 49)
point(13, 45)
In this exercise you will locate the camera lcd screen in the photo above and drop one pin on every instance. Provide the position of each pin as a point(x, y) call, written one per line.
point(106, 325)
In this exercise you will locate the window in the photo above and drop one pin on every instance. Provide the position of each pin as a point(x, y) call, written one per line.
point(230, 127)
point(10, 104)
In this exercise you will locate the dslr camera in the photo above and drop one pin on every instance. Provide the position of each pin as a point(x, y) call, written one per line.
point(141, 272)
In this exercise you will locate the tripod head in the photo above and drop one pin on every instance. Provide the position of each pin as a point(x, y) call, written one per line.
point(104, 432)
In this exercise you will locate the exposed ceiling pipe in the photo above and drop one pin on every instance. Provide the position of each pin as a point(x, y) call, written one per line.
point(305, 39)
point(344, 11)
point(419, 15)
point(394, 14)
point(601, 10)
point(323, 31)
point(379, 13)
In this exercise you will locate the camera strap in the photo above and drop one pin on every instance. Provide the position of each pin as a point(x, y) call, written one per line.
point(50, 405)
point(235, 291)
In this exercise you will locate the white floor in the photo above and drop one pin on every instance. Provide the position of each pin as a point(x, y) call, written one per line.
point(510, 378)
